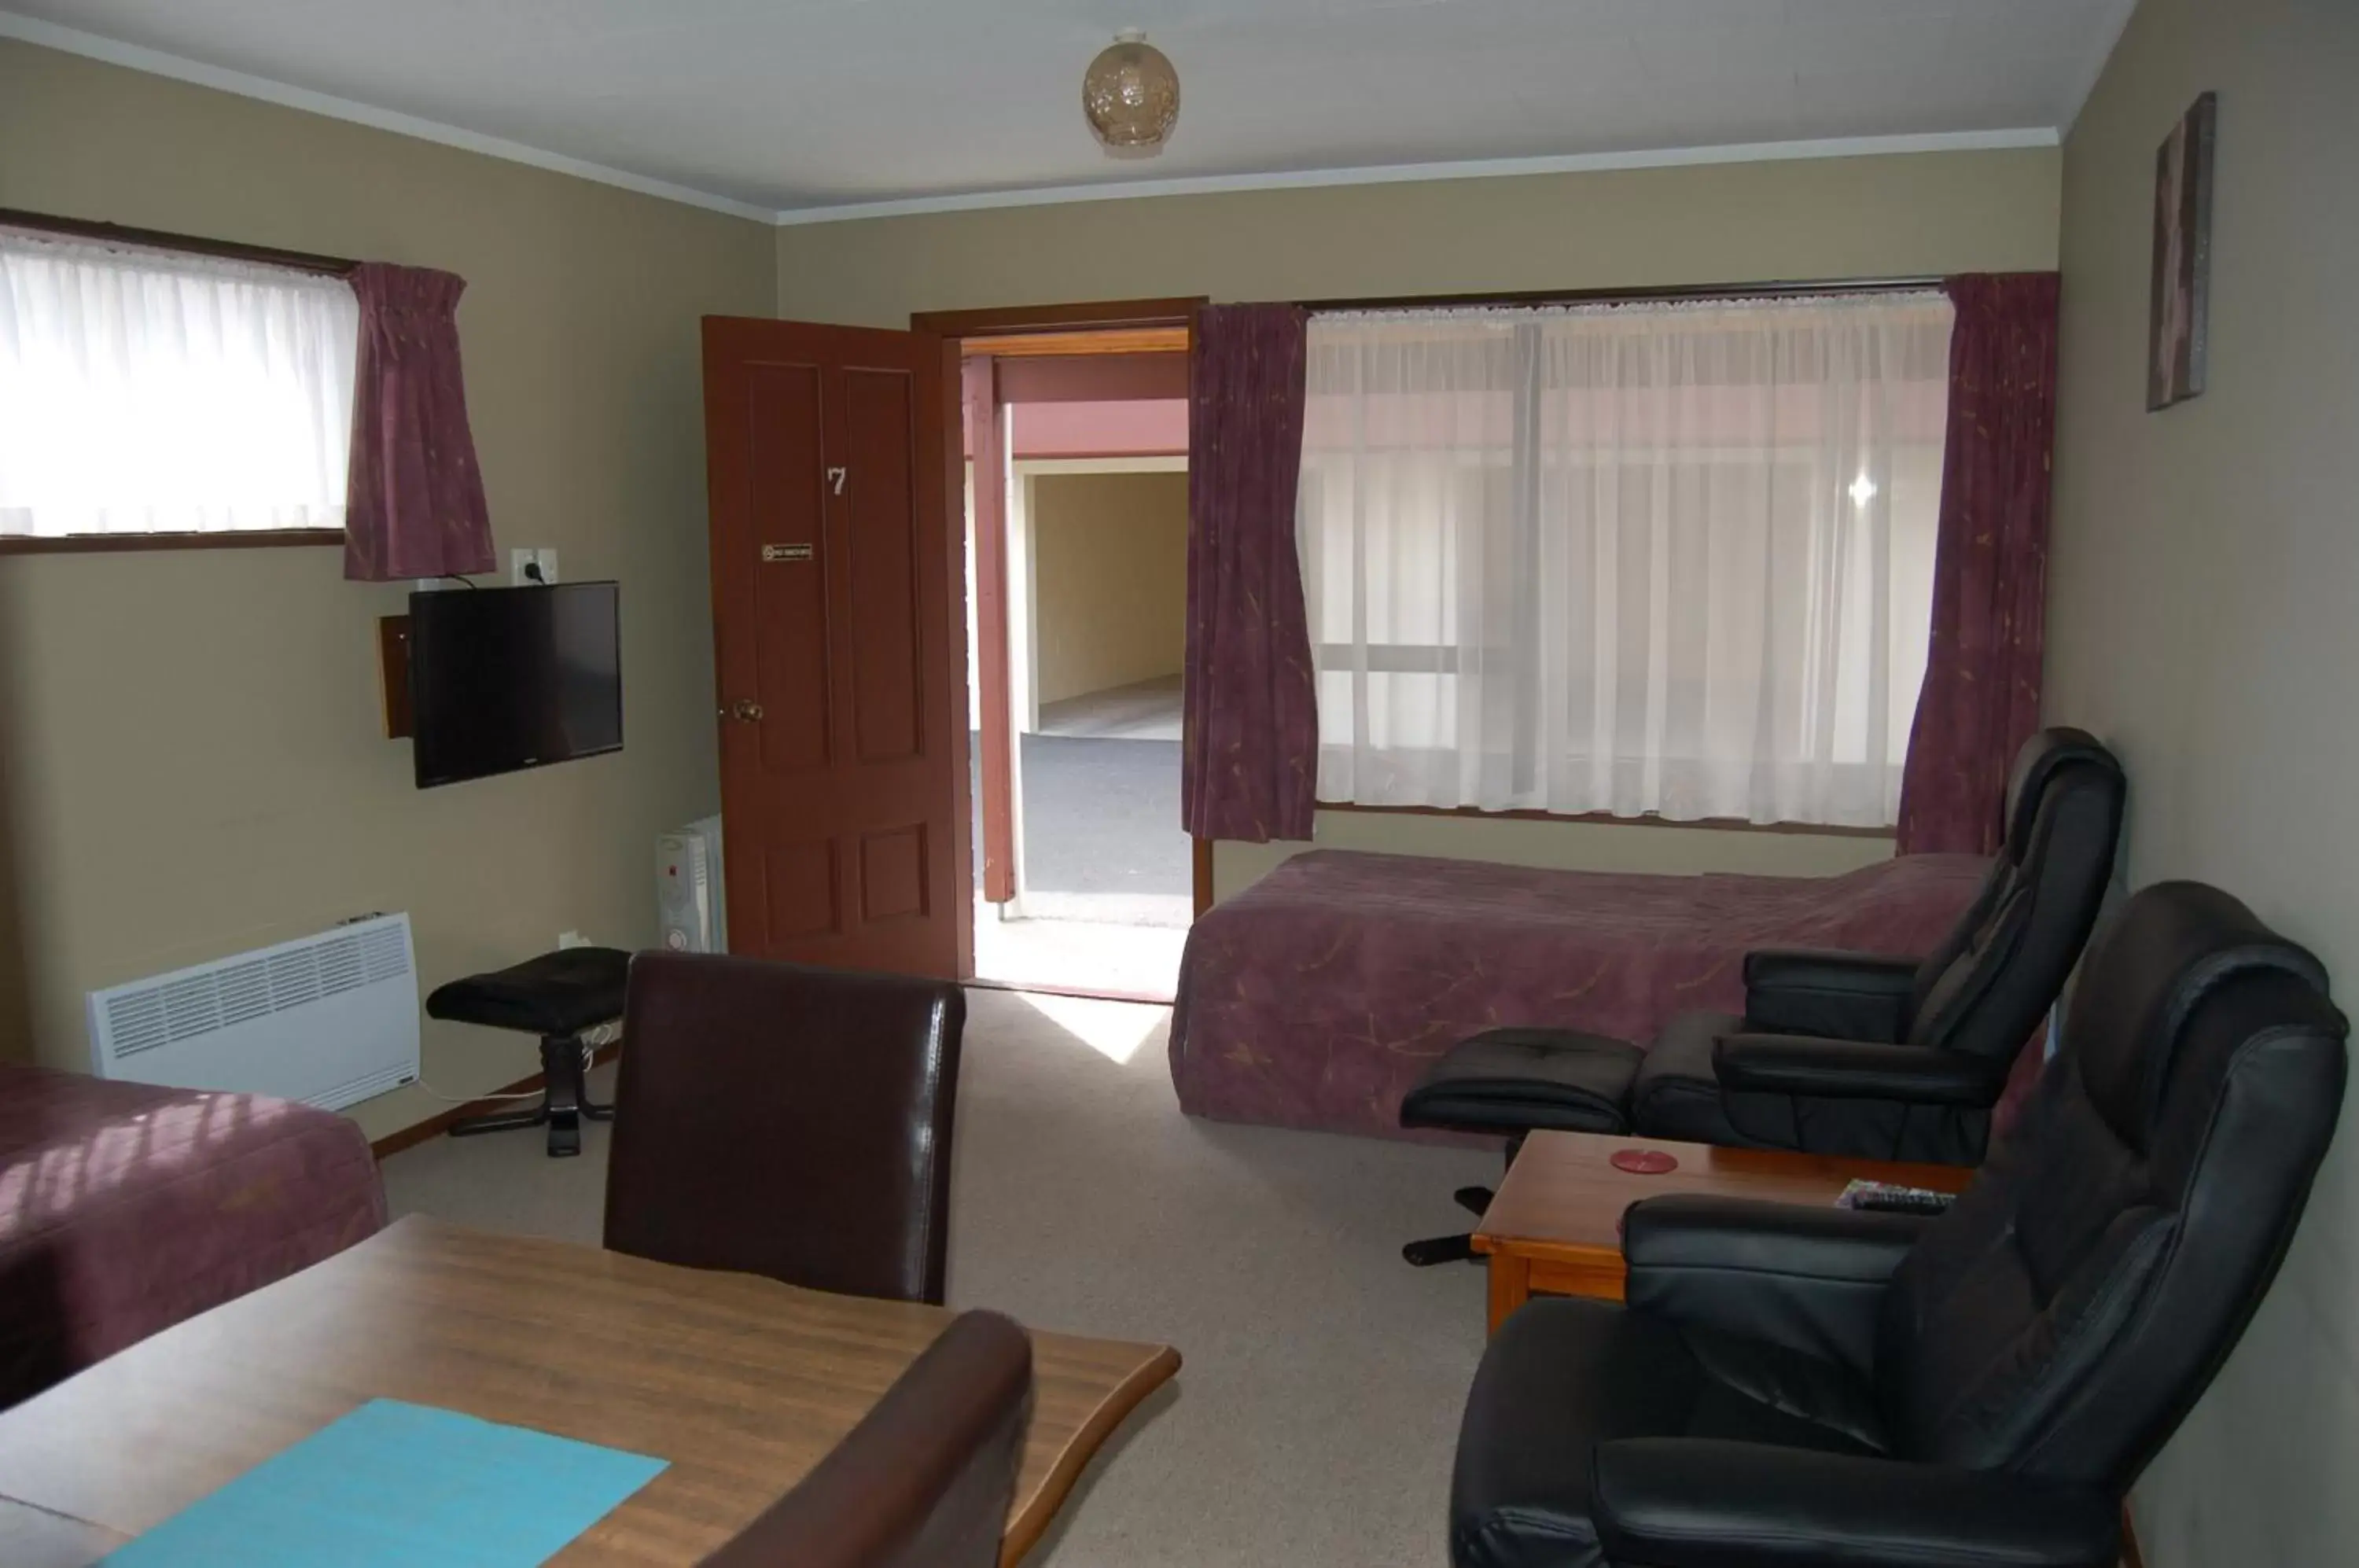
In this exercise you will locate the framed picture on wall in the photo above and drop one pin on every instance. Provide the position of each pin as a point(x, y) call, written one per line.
point(2179, 310)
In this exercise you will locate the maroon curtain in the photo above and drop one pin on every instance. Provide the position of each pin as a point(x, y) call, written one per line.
point(1249, 746)
point(1981, 698)
point(414, 501)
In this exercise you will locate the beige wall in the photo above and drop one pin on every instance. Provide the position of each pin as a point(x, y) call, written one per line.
point(1108, 579)
point(193, 753)
point(2205, 567)
point(1719, 223)
point(1737, 223)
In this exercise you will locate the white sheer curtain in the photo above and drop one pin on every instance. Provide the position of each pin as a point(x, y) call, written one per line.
point(1667, 559)
point(146, 391)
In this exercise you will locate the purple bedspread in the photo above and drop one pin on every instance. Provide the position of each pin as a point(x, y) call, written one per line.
point(1315, 998)
point(126, 1208)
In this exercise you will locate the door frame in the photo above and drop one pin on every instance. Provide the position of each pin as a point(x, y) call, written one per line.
point(982, 416)
point(958, 330)
point(1019, 320)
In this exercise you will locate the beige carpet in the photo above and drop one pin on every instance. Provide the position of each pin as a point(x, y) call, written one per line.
point(1312, 1423)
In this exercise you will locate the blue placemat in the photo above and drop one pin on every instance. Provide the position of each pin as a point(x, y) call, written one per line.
point(399, 1486)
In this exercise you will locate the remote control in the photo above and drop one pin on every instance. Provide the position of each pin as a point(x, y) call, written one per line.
point(1881, 1197)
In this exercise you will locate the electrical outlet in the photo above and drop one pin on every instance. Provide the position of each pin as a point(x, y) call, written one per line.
point(523, 563)
point(546, 559)
point(572, 938)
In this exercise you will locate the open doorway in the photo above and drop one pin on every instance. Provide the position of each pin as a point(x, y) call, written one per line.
point(1077, 523)
point(1097, 604)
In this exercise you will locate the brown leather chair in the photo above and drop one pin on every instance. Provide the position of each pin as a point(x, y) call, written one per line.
point(925, 1480)
point(786, 1120)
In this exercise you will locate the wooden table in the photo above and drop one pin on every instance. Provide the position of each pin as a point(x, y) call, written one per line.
point(743, 1383)
point(1555, 1228)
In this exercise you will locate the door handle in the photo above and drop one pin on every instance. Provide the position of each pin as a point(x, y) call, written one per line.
point(745, 710)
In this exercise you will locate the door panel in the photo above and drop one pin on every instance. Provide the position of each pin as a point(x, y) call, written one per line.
point(799, 891)
point(790, 626)
point(888, 702)
point(892, 874)
point(839, 645)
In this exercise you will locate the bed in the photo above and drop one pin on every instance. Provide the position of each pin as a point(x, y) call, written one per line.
point(126, 1208)
point(1314, 998)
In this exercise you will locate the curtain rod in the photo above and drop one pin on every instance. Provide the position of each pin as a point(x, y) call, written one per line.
point(157, 239)
point(1634, 296)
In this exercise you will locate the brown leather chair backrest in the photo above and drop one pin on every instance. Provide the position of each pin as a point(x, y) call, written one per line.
point(785, 1120)
point(925, 1480)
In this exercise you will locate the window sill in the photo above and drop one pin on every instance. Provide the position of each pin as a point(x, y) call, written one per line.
point(1710, 824)
point(103, 544)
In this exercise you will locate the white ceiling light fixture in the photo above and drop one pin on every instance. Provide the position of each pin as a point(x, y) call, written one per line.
point(1131, 94)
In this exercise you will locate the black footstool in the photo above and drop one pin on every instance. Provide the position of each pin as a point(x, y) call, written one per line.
point(1512, 1082)
point(557, 996)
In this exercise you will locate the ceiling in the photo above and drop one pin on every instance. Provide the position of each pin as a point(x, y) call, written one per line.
point(790, 105)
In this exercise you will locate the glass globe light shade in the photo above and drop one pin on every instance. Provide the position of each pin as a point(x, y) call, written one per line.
point(1131, 94)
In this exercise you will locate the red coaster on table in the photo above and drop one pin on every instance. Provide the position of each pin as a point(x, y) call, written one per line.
point(1644, 1162)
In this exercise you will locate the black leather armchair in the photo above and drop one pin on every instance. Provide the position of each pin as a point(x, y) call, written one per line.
point(1854, 1054)
point(1842, 1054)
point(1787, 1386)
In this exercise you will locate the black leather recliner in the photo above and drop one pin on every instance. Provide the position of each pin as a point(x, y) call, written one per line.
point(1796, 1386)
point(1839, 1054)
point(1855, 1054)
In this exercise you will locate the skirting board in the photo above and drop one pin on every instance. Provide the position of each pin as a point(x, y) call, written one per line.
point(441, 1122)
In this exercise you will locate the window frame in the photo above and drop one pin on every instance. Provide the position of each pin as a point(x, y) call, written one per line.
point(191, 244)
point(1643, 820)
point(104, 544)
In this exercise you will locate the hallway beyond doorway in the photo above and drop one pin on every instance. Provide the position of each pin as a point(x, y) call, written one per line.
point(1107, 891)
point(1102, 836)
point(1077, 568)
point(1148, 710)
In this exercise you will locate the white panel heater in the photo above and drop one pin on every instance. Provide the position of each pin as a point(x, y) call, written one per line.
point(327, 1020)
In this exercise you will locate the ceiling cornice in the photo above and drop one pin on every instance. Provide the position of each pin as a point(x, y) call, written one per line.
point(1403, 173)
point(156, 62)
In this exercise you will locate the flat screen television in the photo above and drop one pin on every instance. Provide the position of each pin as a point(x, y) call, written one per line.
point(502, 679)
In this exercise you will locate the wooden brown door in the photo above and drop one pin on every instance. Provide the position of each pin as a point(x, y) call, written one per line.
point(840, 646)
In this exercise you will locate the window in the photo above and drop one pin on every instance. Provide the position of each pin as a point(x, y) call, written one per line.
point(1665, 559)
point(150, 391)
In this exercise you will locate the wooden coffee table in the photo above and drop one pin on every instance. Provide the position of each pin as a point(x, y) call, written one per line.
point(1556, 1226)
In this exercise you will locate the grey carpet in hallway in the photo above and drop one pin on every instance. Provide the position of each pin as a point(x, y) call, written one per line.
point(1100, 816)
point(1145, 710)
point(1312, 1423)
